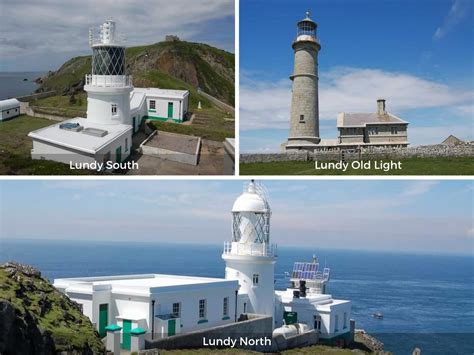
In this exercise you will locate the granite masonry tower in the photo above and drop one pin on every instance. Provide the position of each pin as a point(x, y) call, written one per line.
point(304, 120)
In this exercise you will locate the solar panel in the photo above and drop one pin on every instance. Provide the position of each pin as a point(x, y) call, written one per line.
point(306, 271)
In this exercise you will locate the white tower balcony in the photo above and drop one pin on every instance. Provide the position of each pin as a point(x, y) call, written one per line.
point(250, 249)
point(109, 81)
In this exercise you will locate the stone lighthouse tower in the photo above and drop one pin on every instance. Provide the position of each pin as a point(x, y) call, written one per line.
point(304, 120)
point(108, 88)
point(249, 257)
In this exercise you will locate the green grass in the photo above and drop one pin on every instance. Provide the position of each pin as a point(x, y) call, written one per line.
point(61, 105)
point(310, 350)
point(15, 149)
point(214, 127)
point(50, 310)
point(410, 166)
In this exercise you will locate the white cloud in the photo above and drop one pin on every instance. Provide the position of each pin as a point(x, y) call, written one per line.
point(35, 31)
point(419, 188)
point(456, 14)
point(267, 105)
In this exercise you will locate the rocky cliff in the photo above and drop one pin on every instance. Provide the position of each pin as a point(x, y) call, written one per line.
point(173, 65)
point(35, 318)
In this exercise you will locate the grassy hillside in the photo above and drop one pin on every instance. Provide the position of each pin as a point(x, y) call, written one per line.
point(39, 306)
point(166, 64)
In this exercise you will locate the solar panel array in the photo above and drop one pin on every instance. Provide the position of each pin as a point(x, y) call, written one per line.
point(305, 271)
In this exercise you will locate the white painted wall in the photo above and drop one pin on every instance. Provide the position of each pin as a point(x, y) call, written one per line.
point(190, 306)
point(9, 113)
point(99, 105)
point(46, 151)
point(261, 296)
point(180, 107)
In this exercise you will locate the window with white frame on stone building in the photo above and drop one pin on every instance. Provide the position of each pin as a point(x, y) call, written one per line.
point(177, 309)
point(114, 109)
point(202, 309)
point(225, 311)
point(255, 279)
point(373, 131)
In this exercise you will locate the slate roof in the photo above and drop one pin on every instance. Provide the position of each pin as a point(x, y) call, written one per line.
point(362, 119)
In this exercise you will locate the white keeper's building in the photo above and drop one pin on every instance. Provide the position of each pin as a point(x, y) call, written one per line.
point(173, 304)
point(115, 110)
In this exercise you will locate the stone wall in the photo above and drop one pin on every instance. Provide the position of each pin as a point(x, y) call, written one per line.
point(371, 153)
point(254, 326)
point(217, 102)
point(40, 95)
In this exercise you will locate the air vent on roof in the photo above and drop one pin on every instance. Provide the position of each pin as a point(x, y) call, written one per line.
point(95, 132)
point(74, 127)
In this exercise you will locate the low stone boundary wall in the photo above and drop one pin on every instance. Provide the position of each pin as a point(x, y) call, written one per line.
point(40, 95)
point(254, 327)
point(163, 153)
point(427, 151)
point(26, 109)
point(217, 102)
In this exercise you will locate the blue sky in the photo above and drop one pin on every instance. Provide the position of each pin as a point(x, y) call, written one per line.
point(414, 216)
point(42, 35)
point(417, 54)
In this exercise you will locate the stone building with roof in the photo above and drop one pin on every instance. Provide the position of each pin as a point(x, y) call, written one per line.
point(371, 129)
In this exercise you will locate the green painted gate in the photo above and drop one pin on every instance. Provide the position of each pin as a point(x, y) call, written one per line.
point(103, 319)
point(118, 154)
point(126, 336)
point(170, 110)
point(171, 327)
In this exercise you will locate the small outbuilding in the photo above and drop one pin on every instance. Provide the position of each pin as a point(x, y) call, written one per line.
point(9, 109)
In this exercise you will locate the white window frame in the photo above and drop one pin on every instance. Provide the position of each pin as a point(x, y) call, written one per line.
point(225, 306)
point(114, 109)
point(202, 309)
point(255, 280)
point(176, 305)
point(152, 105)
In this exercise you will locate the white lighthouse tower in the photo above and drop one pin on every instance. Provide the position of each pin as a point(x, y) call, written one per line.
point(249, 257)
point(304, 120)
point(108, 88)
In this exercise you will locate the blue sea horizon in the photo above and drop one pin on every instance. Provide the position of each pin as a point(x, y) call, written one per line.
point(427, 300)
point(12, 84)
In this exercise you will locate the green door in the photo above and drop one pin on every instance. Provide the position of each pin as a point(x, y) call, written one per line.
point(118, 154)
point(126, 336)
point(171, 327)
point(170, 110)
point(103, 319)
point(290, 317)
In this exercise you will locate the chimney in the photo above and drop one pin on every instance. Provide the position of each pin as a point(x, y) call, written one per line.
point(381, 107)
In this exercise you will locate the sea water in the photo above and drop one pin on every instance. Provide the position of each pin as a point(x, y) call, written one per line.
point(13, 85)
point(427, 300)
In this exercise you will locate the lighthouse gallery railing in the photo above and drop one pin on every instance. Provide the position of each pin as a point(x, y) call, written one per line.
point(109, 80)
point(250, 249)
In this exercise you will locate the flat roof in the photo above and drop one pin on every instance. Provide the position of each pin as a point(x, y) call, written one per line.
point(166, 93)
point(78, 140)
point(141, 284)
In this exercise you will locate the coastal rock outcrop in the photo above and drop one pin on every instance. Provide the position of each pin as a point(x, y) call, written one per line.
point(35, 318)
